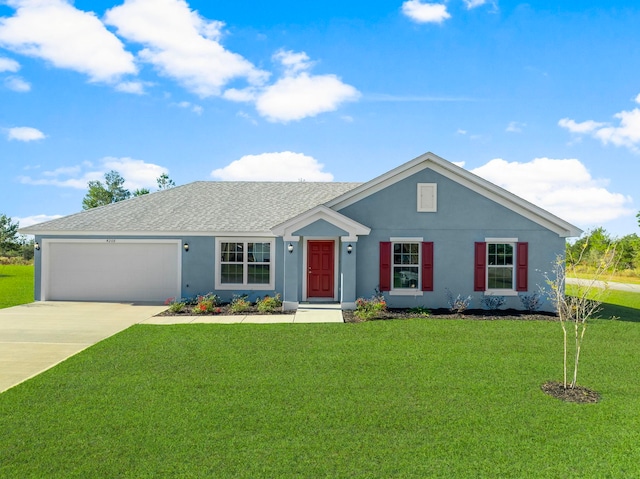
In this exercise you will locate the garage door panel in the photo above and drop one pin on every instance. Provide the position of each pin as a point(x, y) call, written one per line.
point(121, 271)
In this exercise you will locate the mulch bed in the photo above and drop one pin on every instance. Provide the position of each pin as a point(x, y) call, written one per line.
point(578, 394)
point(223, 310)
point(477, 314)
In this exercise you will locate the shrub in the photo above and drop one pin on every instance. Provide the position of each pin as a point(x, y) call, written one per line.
point(206, 304)
point(370, 308)
point(239, 304)
point(531, 302)
point(458, 305)
point(492, 303)
point(269, 304)
point(420, 311)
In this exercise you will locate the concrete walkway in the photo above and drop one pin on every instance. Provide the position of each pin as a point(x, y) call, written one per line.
point(35, 337)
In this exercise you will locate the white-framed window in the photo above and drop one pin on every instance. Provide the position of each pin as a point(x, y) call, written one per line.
point(501, 261)
point(405, 265)
point(245, 263)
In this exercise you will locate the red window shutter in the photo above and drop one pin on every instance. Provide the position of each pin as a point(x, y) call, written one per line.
point(427, 266)
point(522, 267)
point(385, 266)
point(480, 267)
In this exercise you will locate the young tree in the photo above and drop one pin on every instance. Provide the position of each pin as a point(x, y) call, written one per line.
point(576, 309)
point(111, 192)
point(164, 182)
point(141, 191)
point(8, 235)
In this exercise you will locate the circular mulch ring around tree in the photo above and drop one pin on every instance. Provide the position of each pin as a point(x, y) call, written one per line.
point(577, 394)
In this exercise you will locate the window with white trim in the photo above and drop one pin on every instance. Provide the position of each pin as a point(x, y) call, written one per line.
point(500, 266)
point(244, 263)
point(405, 265)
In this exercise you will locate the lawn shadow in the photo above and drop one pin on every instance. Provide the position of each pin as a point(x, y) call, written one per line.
point(621, 313)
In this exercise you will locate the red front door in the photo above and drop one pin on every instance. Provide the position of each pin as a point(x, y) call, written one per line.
point(320, 257)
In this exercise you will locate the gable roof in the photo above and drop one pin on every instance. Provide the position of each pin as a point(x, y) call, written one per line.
point(264, 208)
point(199, 208)
point(462, 177)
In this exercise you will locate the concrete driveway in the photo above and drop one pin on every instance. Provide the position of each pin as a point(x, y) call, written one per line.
point(35, 337)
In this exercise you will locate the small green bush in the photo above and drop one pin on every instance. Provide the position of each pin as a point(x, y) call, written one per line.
point(420, 311)
point(239, 304)
point(269, 304)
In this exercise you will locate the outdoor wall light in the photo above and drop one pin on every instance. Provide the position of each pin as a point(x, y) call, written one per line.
point(186, 246)
point(36, 246)
point(349, 249)
point(290, 248)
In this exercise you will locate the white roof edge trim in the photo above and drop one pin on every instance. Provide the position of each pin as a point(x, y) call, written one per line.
point(145, 234)
point(321, 212)
point(466, 178)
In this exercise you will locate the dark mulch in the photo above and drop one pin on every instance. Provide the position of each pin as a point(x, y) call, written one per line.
point(219, 311)
point(477, 314)
point(578, 394)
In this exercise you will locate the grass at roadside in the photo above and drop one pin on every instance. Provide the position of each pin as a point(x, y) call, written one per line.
point(16, 284)
point(631, 277)
point(413, 398)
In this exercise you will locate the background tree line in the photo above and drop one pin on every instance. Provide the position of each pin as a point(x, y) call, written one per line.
point(597, 245)
point(113, 190)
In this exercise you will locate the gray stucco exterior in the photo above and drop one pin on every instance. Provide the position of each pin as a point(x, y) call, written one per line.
point(348, 221)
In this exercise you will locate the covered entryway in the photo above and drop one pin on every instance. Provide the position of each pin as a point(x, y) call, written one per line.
point(320, 269)
point(110, 270)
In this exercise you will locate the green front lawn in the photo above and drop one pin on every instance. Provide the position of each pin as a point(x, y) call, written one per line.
point(413, 398)
point(16, 284)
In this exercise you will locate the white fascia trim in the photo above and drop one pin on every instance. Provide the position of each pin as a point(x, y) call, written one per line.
point(465, 178)
point(321, 212)
point(168, 234)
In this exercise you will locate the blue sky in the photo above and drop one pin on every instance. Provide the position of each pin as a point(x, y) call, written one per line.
point(542, 98)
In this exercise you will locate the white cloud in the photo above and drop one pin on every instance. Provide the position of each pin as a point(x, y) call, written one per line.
point(197, 109)
point(515, 127)
point(280, 166)
point(8, 65)
point(474, 3)
point(137, 174)
point(562, 186)
point(297, 94)
point(581, 128)
point(425, 12)
point(67, 37)
point(25, 133)
point(35, 219)
point(134, 87)
point(181, 44)
point(302, 96)
point(626, 133)
point(16, 83)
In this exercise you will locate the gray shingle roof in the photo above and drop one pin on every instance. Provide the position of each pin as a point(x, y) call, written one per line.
point(203, 206)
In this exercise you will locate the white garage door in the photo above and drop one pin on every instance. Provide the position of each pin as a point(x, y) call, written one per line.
point(110, 270)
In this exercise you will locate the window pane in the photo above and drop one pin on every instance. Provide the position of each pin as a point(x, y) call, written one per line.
point(500, 278)
point(500, 254)
point(405, 277)
point(405, 253)
point(258, 274)
point(258, 252)
point(231, 273)
point(231, 252)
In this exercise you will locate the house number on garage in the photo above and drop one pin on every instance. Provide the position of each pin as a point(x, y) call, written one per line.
point(111, 241)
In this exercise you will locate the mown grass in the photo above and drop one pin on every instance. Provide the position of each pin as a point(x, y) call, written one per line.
point(16, 284)
point(622, 305)
point(413, 398)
